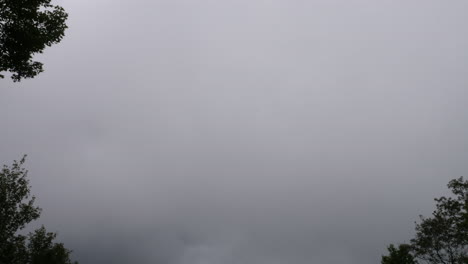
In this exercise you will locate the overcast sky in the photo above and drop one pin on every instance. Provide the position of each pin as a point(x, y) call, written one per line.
point(243, 131)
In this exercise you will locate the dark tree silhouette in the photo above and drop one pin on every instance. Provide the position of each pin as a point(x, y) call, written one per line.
point(27, 27)
point(400, 255)
point(16, 210)
point(443, 237)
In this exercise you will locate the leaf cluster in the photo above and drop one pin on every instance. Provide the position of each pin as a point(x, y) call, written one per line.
point(27, 27)
point(400, 255)
point(443, 237)
point(17, 209)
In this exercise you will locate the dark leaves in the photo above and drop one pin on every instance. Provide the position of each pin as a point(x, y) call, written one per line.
point(400, 255)
point(16, 210)
point(27, 27)
point(442, 238)
point(16, 207)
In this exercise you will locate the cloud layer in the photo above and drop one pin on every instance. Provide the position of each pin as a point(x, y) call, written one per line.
point(209, 132)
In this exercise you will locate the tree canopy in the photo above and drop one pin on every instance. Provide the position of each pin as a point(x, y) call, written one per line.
point(27, 27)
point(443, 237)
point(400, 255)
point(17, 209)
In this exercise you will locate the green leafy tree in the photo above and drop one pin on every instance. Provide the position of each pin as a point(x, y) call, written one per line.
point(443, 237)
point(27, 27)
point(43, 250)
point(17, 209)
point(400, 255)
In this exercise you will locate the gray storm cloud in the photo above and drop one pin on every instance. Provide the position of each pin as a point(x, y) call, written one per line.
point(243, 131)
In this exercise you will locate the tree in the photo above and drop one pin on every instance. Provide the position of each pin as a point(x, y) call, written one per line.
point(27, 27)
point(400, 255)
point(42, 249)
point(16, 210)
point(443, 237)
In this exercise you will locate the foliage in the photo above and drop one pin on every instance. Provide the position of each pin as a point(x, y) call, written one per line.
point(27, 27)
point(42, 249)
point(400, 255)
point(443, 238)
point(16, 210)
